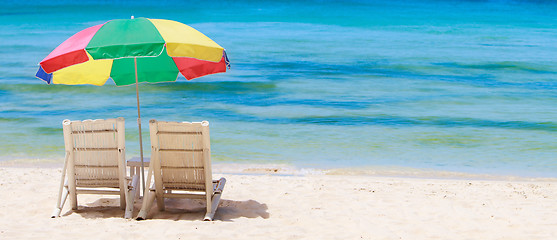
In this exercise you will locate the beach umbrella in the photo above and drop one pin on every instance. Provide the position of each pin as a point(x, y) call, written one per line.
point(130, 51)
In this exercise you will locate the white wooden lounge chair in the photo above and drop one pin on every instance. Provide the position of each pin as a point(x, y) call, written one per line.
point(181, 166)
point(95, 163)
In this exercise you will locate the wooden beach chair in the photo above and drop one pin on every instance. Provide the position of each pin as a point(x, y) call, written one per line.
point(181, 166)
point(95, 163)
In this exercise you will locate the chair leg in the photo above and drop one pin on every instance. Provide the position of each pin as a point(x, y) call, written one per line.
point(148, 200)
point(63, 191)
point(73, 198)
point(61, 200)
point(138, 191)
point(160, 202)
point(215, 200)
point(123, 198)
point(130, 198)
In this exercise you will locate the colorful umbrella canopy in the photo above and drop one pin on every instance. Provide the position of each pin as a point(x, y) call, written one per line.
point(131, 51)
point(163, 49)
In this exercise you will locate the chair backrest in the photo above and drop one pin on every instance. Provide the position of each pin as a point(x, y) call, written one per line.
point(181, 155)
point(97, 152)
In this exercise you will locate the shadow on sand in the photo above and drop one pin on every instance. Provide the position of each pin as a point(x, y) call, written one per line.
point(175, 209)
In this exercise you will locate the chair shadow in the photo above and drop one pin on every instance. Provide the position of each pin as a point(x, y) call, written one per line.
point(101, 208)
point(193, 209)
point(175, 209)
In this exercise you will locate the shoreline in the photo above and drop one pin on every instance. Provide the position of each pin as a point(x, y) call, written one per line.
point(291, 170)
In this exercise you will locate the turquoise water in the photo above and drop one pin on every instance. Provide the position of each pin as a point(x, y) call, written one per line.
point(468, 86)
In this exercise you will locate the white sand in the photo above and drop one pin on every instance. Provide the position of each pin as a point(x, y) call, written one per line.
point(310, 206)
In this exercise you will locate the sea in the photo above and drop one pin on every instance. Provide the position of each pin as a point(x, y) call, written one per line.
point(423, 85)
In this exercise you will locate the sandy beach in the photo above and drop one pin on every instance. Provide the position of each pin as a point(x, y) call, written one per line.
point(261, 203)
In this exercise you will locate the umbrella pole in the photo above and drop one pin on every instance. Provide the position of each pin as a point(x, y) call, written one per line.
point(139, 125)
